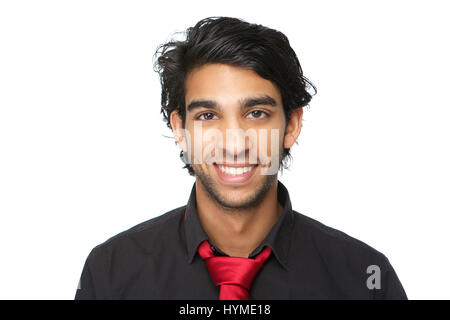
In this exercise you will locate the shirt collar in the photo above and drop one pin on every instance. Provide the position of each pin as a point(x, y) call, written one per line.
point(278, 238)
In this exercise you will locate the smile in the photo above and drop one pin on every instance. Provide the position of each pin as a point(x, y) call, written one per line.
point(235, 173)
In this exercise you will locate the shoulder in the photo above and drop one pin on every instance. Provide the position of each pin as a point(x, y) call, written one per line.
point(349, 263)
point(114, 262)
point(142, 236)
point(331, 243)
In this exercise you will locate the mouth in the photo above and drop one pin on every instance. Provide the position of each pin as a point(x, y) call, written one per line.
point(235, 173)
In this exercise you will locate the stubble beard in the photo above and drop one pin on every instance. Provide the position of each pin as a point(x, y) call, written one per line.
point(251, 201)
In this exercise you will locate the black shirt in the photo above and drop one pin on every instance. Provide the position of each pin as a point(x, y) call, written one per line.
point(158, 259)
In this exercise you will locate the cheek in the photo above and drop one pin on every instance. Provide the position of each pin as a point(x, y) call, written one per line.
point(270, 142)
point(207, 145)
point(276, 133)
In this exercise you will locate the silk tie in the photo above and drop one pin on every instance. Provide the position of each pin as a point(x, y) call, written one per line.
point(234, 275)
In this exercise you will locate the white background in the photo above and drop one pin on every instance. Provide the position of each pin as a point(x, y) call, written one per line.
point(83, 154)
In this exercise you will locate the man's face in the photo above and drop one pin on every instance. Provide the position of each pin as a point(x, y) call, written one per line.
point(237, 152)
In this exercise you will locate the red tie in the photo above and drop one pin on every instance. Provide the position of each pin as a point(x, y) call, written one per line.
point(233, 274)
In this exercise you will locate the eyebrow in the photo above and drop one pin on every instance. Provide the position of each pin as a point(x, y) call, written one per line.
point(249, 102)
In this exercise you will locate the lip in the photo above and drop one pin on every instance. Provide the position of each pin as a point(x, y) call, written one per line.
point(238, 178)
point(236, 165)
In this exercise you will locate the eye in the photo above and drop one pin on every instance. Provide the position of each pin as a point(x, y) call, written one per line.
point(257, 114)
point(206, 116)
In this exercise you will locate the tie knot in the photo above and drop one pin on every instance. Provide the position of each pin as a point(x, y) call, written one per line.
point(232, 271)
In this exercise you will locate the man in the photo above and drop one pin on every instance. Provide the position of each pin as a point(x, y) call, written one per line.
point(233, 94)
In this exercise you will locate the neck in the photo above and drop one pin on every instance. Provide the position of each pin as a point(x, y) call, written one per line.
point(238, 233)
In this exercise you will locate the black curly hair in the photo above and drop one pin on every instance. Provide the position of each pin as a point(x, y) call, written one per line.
point(234, 42)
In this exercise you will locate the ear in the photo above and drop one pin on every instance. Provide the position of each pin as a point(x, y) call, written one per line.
point(293, 128)
point(177, 127)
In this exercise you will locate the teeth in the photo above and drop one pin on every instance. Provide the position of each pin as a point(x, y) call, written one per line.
point(235, 171)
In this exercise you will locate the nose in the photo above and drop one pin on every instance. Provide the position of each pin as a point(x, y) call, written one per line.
point(236, 145)
point(235, 148)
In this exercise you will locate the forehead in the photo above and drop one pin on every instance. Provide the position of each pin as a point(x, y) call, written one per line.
point(227, 83)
